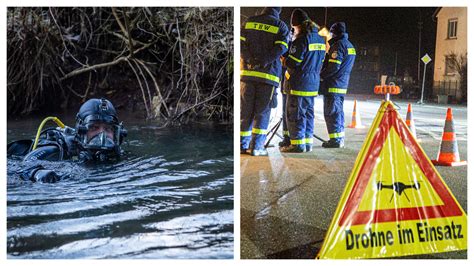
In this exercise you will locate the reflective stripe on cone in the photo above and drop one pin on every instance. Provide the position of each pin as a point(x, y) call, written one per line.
point(448, 154)
point(356, 122)
point(410, 122)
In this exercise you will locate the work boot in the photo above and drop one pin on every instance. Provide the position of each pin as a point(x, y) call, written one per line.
point(309, 148)
point(261, 152)
point(284, 143)
point(293, 148)
point(333, 144)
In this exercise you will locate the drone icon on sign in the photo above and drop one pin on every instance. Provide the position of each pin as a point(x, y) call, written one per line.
point(399, 188)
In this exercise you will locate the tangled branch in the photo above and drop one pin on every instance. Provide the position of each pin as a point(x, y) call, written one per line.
point(179, 60)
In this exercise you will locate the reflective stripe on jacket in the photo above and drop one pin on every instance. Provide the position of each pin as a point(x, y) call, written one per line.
point(264, 38)
point(304, 64)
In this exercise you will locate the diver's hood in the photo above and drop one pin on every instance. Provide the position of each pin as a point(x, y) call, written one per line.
point(99, 111)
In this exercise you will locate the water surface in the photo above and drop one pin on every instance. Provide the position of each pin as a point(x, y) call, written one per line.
point(171, 197)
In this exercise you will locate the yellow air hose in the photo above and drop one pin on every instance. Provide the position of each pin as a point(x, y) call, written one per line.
point(55, 119)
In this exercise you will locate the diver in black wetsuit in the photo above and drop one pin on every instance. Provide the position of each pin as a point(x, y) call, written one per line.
point(97, 137)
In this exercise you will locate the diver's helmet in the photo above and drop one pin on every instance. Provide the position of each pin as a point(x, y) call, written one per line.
point(99, 132)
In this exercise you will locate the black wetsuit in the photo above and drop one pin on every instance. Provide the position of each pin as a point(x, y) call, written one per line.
point(55, 144)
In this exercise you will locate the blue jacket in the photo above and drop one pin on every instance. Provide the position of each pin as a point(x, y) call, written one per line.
point(264, 38)
point(338, 65)
point(304, 64)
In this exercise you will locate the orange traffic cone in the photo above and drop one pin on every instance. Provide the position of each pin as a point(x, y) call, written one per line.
point(410, 122)
point(448, 154)
point(356, 123)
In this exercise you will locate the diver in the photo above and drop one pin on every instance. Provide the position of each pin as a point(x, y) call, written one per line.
point(96, 137)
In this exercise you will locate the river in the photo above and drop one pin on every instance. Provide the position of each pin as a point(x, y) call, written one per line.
point(170, 197)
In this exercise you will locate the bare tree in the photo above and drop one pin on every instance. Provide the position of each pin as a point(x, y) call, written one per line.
point(178, 59)
point(457, 62)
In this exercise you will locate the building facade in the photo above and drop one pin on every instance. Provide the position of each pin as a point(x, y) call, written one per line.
point(451, 52)
point(366, 71)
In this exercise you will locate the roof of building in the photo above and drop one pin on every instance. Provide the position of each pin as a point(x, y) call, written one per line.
point(435, 14)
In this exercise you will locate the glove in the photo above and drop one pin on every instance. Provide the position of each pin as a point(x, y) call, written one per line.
point(37, 173)
point(46, 176)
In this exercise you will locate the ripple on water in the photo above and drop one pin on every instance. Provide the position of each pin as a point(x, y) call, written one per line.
point(199, 232)
point(80, 210)
point(172, 197)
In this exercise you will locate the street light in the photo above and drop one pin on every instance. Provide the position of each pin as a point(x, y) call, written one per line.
point(324, 32)
point(420, 27)
point(325, 16)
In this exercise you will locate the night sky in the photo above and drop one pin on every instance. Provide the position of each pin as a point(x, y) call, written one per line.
point(394, 29)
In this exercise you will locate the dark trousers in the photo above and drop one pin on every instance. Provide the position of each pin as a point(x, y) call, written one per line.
point(300, 114)
point(255, 99)
point(286, 132)
point(334, 116)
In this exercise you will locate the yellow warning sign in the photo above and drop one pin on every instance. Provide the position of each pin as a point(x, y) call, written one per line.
point(395, 202)
point(409, 188)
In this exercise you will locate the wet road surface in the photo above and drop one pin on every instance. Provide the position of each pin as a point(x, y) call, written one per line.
point(288, 200)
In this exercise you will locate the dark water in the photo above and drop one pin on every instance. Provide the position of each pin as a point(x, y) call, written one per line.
point(171, 198)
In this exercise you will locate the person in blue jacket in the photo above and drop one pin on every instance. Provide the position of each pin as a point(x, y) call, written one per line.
point(335, 82)
point(264, 38)
point(286, 132)
point(304, 63)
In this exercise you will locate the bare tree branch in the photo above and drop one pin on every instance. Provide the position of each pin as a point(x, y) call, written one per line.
point(94, 67)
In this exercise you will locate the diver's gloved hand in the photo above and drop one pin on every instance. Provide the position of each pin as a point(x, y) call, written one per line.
point(46, 176)
point(37, 173)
